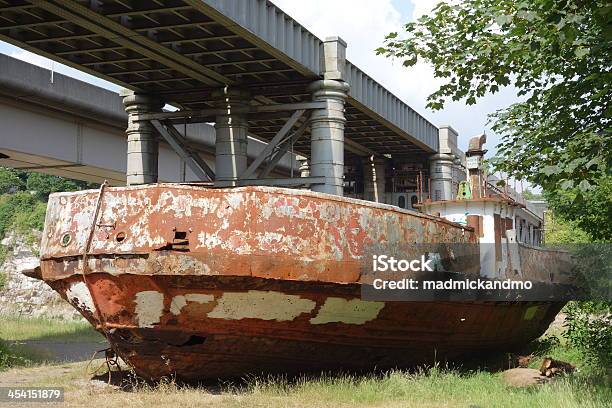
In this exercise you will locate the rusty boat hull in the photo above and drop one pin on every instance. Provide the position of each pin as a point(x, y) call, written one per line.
point(203, 283)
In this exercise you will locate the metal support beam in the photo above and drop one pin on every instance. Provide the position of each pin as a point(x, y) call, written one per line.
point(374, 179)
point(181, 147)
point(283, 149)
point(231, 129)
point(273, 143)
point(116, 32)
point(203, 113)
point(296, 181)
point(286, 107)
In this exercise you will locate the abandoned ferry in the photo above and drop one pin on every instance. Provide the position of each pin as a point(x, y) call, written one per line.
point(256, 262)
point(200, 282)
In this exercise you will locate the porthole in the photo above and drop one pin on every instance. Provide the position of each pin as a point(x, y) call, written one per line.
point(120, 237)
point(66, 239)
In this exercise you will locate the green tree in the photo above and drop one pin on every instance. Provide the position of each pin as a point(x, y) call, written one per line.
point(589, 328)
point(44, 184)
point(589, 322)
point(557, 53)
point(10, 181)
point(11, 205)
point(591, 212)
point(530, 195)
point(560, 232)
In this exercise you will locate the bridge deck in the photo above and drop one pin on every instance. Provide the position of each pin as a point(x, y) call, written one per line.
point(183, 49)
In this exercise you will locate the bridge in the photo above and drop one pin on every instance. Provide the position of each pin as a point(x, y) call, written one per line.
point(250, 69)
point(59, 125)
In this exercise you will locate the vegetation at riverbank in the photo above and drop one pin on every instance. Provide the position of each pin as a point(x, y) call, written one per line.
point(23, 202)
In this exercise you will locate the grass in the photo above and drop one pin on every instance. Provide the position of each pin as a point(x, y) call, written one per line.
point(18, 328)
point(432, 387)
point(435, 387)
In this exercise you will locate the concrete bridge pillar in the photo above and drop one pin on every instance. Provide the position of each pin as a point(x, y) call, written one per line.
point(374, 179)
point(327, 124)
point(143, 145)
point(231, 135)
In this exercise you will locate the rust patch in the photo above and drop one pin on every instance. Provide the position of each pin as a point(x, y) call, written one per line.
point(497, 231)
point(252, 231)
point(475, 221)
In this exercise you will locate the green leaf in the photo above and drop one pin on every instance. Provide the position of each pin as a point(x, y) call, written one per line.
point(550, 170)
point(503, 19)
point(581, 52)
point(584, 185)
point(594, 161)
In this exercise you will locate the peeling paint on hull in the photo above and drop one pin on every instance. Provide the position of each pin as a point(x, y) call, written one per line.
point(213, 283)
point(197, 344)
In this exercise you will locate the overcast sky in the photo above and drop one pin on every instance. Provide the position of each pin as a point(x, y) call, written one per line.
point(363, 24)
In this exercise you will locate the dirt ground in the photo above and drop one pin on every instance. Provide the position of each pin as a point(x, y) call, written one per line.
point(83, 388)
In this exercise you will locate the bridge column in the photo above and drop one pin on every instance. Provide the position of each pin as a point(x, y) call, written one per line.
point(327, 124)
point(142, 142)
point(231, 135)
point(374, 179)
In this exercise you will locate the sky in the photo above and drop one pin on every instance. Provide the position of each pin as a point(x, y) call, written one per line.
point(363, 25)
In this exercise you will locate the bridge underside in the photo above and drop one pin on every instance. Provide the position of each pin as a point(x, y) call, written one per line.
point(193, 54)
point(183, 50)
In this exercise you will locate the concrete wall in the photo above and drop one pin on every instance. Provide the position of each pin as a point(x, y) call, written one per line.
point(61, 144)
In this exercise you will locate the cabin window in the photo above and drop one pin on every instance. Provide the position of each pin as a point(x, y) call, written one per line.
point(413, 201)
point(401, 202)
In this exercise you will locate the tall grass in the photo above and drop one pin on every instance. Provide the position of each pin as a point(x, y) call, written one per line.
point(433, 387)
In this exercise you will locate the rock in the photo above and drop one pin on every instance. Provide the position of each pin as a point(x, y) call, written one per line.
point(24, 296)
point(523, 377)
